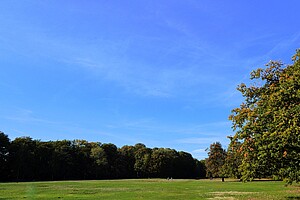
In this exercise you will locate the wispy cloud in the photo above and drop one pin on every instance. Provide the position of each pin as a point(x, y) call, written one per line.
point(150, 124)
point(62, 129)
point(146, 80)
point(116, 60)
point(284, 45)
point(27, 116)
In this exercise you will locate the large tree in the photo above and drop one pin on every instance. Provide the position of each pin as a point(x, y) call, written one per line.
point(142, 160)
point(4, 153)
point(162, 162)
point(215, 161)
point(267, 123)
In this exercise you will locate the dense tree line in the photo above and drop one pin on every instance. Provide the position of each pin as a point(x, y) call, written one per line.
point(25, 159)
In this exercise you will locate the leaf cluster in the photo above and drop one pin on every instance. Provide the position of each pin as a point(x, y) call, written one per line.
point(267, 123)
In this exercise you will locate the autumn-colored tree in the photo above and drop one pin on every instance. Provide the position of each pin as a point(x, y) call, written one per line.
point(267, 123)
point(233, 159)
point(215, 161)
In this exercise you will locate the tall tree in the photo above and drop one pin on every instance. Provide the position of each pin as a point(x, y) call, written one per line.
point(43, 155)
point(185, 166)
point(233, 159)
point(142, 160)
point(4, 153)
point(100, 165)
point(22, 158)
point(200, 169)
point(62, 160)
point(215, 160)
point(111, 152)
point(268, 122)
point(162, 163)
point(126, 161)
point(82, 159)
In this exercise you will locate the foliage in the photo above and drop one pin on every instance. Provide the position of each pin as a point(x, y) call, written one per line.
point(200, 168)
point(267, 123)
point(4, 153)
point(215, 160)
point(186, 166)
point(25, 159)
point(233, 159)
point(142, 160)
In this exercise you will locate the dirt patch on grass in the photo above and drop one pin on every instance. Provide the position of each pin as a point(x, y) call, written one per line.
point(231, 193)
point(297, 191)
point(113, 189)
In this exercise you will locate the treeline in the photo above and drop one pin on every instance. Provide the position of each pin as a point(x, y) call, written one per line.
point(25, 159)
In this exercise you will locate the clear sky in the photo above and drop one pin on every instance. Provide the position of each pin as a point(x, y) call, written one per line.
point(163, 72)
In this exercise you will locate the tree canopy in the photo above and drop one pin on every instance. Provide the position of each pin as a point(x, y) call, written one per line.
point(267, 123)
point(25, 159)
point(215, 161)
point(4, 145)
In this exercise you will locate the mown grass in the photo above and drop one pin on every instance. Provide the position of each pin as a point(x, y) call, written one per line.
point(149, 189)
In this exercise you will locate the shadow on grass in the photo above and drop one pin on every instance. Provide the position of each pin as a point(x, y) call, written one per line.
point(266, 180)
point(298, 197)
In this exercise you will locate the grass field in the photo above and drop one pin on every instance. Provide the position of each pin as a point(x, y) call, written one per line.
point(149, 189)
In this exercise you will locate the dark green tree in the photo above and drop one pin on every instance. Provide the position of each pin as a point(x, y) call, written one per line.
point(185, 166)
point(142, 160)
point(62, 161)
point(42, 160)
point(100, 161)
point(111, 152)
point(4, 153)
point(200, 169)
point(162, 163)
point(22, 159)
point(82, 160)
point(126, 161)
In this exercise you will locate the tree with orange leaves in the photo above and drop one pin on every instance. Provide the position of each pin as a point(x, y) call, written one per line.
point(215, 161)
point(267, 123)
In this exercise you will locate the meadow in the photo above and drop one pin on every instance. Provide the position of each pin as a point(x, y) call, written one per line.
point(149, 189)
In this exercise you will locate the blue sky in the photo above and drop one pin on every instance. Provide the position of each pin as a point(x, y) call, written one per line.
point(163, 73)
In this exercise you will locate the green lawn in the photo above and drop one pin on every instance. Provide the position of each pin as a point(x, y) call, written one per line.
point(149, 189)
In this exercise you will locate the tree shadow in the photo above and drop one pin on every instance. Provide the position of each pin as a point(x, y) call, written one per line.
point(294, 197)
point(266, 180)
